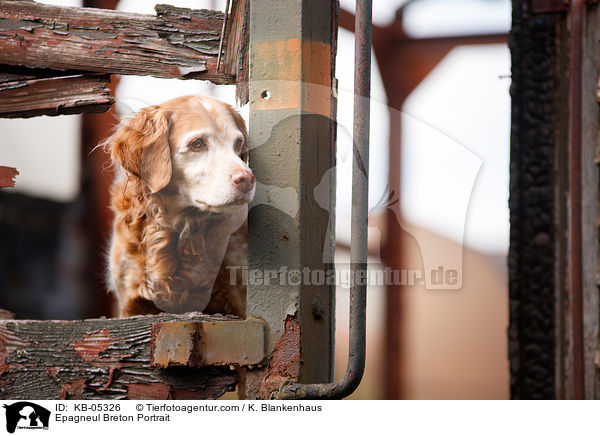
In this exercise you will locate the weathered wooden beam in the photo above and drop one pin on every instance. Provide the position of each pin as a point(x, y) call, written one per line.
point(199, 344)
point(537, 265)
point(236, 57)
point(7, 177)
point(177, 43)
point(31, 93)
point(100, 359)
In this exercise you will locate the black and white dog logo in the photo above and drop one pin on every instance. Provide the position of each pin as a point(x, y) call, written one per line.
point(26, 415)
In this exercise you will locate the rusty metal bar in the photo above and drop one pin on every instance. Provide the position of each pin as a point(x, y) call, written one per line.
point(198, 344)
point(576, 242)
point(394, 51)
point(358, 249)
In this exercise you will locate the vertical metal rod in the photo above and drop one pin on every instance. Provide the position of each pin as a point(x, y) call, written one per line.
point(576, 248)
point(360, 191)
point(360, 210)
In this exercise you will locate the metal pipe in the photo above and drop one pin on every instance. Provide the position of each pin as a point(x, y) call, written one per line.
point(360, 210)
point(576, 249)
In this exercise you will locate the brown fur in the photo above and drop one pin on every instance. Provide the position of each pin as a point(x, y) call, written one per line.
point(159, 247)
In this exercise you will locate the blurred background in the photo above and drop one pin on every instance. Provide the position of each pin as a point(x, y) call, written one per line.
point(438, 196)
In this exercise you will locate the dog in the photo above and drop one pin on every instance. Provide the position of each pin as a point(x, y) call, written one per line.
point(181, 200)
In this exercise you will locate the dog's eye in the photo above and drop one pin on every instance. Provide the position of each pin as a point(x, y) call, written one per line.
point(237, 146)
point(198, 144)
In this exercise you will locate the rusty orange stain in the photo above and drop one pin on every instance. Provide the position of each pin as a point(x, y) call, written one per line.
point(285, 361)
point(90, 347)
point(302, 79)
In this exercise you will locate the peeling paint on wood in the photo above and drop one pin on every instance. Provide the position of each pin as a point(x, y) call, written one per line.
point(99, 359)
point(236, 58)
point(27, 93)
point(72, 390)
point(90, 347)
point(7, 179)
point(176, 43)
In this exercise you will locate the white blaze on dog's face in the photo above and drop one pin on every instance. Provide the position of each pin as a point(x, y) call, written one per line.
point(208, 141)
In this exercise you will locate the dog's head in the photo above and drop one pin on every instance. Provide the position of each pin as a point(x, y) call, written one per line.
point(195, 148)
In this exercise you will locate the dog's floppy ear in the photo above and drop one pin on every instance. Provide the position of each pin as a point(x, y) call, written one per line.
point(141, 146)
point(241, 124)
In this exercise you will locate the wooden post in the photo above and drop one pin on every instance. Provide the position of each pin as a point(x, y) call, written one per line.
point(553, 257)
point(538, 237)
point(292, 53)
point(590, 179)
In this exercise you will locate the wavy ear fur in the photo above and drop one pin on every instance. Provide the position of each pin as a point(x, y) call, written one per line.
point(241, 124)
point(141, 147)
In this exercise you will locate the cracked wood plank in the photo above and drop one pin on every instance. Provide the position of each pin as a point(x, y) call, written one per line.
point(236, 59)
point(99, 359)
point(7, 177)
point(28, 93)
point(176, 43)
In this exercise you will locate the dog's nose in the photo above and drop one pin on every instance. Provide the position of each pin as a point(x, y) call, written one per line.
point(243, 180)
